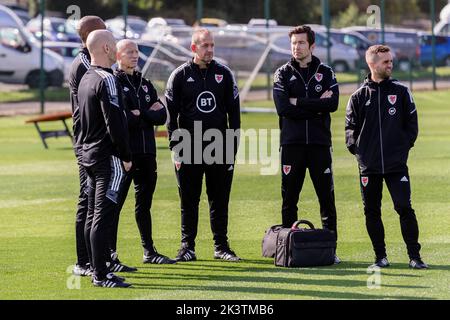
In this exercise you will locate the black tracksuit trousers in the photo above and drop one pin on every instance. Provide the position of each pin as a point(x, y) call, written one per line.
point(82, 209)
point(105, 180)
point(295, 159)
point(218, 178)
point(143, 174)
point(400, 189)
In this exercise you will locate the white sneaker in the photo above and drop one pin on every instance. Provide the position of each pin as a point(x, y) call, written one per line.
point(336, 259)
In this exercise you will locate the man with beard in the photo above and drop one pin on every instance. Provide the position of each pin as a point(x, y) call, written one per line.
point(380, 129)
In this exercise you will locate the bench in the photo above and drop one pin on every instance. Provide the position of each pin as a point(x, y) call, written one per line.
point(59, 116)
point(62, 116)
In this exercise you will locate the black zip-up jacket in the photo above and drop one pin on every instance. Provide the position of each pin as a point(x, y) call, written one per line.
point(103, 122)
point(308, 121)
point(210, 96)
point(139, 94)
point(80, 65)
point(381, 126)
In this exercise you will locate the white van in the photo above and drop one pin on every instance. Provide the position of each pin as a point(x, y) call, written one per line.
point(442, 28)
point(20, 55)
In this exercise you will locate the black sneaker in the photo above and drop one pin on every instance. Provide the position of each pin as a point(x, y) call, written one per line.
point(118, 267)
point(157, 258)
point(111, 281)
point(381, 263)
point(185, 254)
point(226, 254)
point(417, 264)
point(83, 271)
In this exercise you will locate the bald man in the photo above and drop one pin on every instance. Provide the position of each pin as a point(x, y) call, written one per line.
point(106, 154)
point(202, 91)
point(80, 65)
point(144, 111)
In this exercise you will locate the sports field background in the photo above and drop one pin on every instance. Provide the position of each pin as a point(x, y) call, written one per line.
point(37, 211)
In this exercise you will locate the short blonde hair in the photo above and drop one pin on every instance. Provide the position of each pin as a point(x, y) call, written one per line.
point(198, 32)
point(373, 51)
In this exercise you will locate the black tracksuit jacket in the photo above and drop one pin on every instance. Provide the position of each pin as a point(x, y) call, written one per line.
point(80, 65)
point(211, 97)
point(307, 122)
point(139, 94)
point(381, 126)
point(103, 122)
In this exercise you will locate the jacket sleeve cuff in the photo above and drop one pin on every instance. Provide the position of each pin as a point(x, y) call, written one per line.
point(352, 149)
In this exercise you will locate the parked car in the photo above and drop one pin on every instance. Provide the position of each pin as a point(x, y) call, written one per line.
point(243, 50)
point(20, 60)
point(67, 50)
point(404, 43)
point(164, 56)
point(159, 53)
point(258, 27)
point(165, 22)
point(256, 22)
point(55, 29)
point(442, 50)
point(169, 51)
point(21, 12)
point(168, 29)
point(20, 54)
point(352, 39)
point(210, 23)
point(8, 18)
point(135, 27)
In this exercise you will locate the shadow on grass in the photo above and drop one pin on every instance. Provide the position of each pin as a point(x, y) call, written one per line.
point(268, 279)
point(289, 293)
point(183, 274)
point(258, 266)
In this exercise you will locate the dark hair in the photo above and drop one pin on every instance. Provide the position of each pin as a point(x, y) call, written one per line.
point(304, 29)
point(87, 24)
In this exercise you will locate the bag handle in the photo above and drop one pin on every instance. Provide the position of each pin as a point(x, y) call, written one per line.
point(299, 222)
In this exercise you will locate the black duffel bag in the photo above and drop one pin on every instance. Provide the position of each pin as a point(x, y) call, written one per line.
point(269, 242)
point(298, 247)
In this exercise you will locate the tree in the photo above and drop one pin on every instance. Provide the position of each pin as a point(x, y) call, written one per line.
point(350, 17)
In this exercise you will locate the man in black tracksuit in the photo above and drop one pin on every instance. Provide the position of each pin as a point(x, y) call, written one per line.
point(79, 67)
point(144, 111)
point(380, 129)
point(203, 93)
point(305, 93)
point(106, 152)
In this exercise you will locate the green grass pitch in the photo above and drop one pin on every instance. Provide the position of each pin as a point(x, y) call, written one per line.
point(37, 211)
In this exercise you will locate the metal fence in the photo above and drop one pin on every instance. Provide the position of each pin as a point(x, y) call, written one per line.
point(255, 50)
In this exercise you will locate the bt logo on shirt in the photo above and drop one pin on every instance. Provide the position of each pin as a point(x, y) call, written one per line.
point(206, 102)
